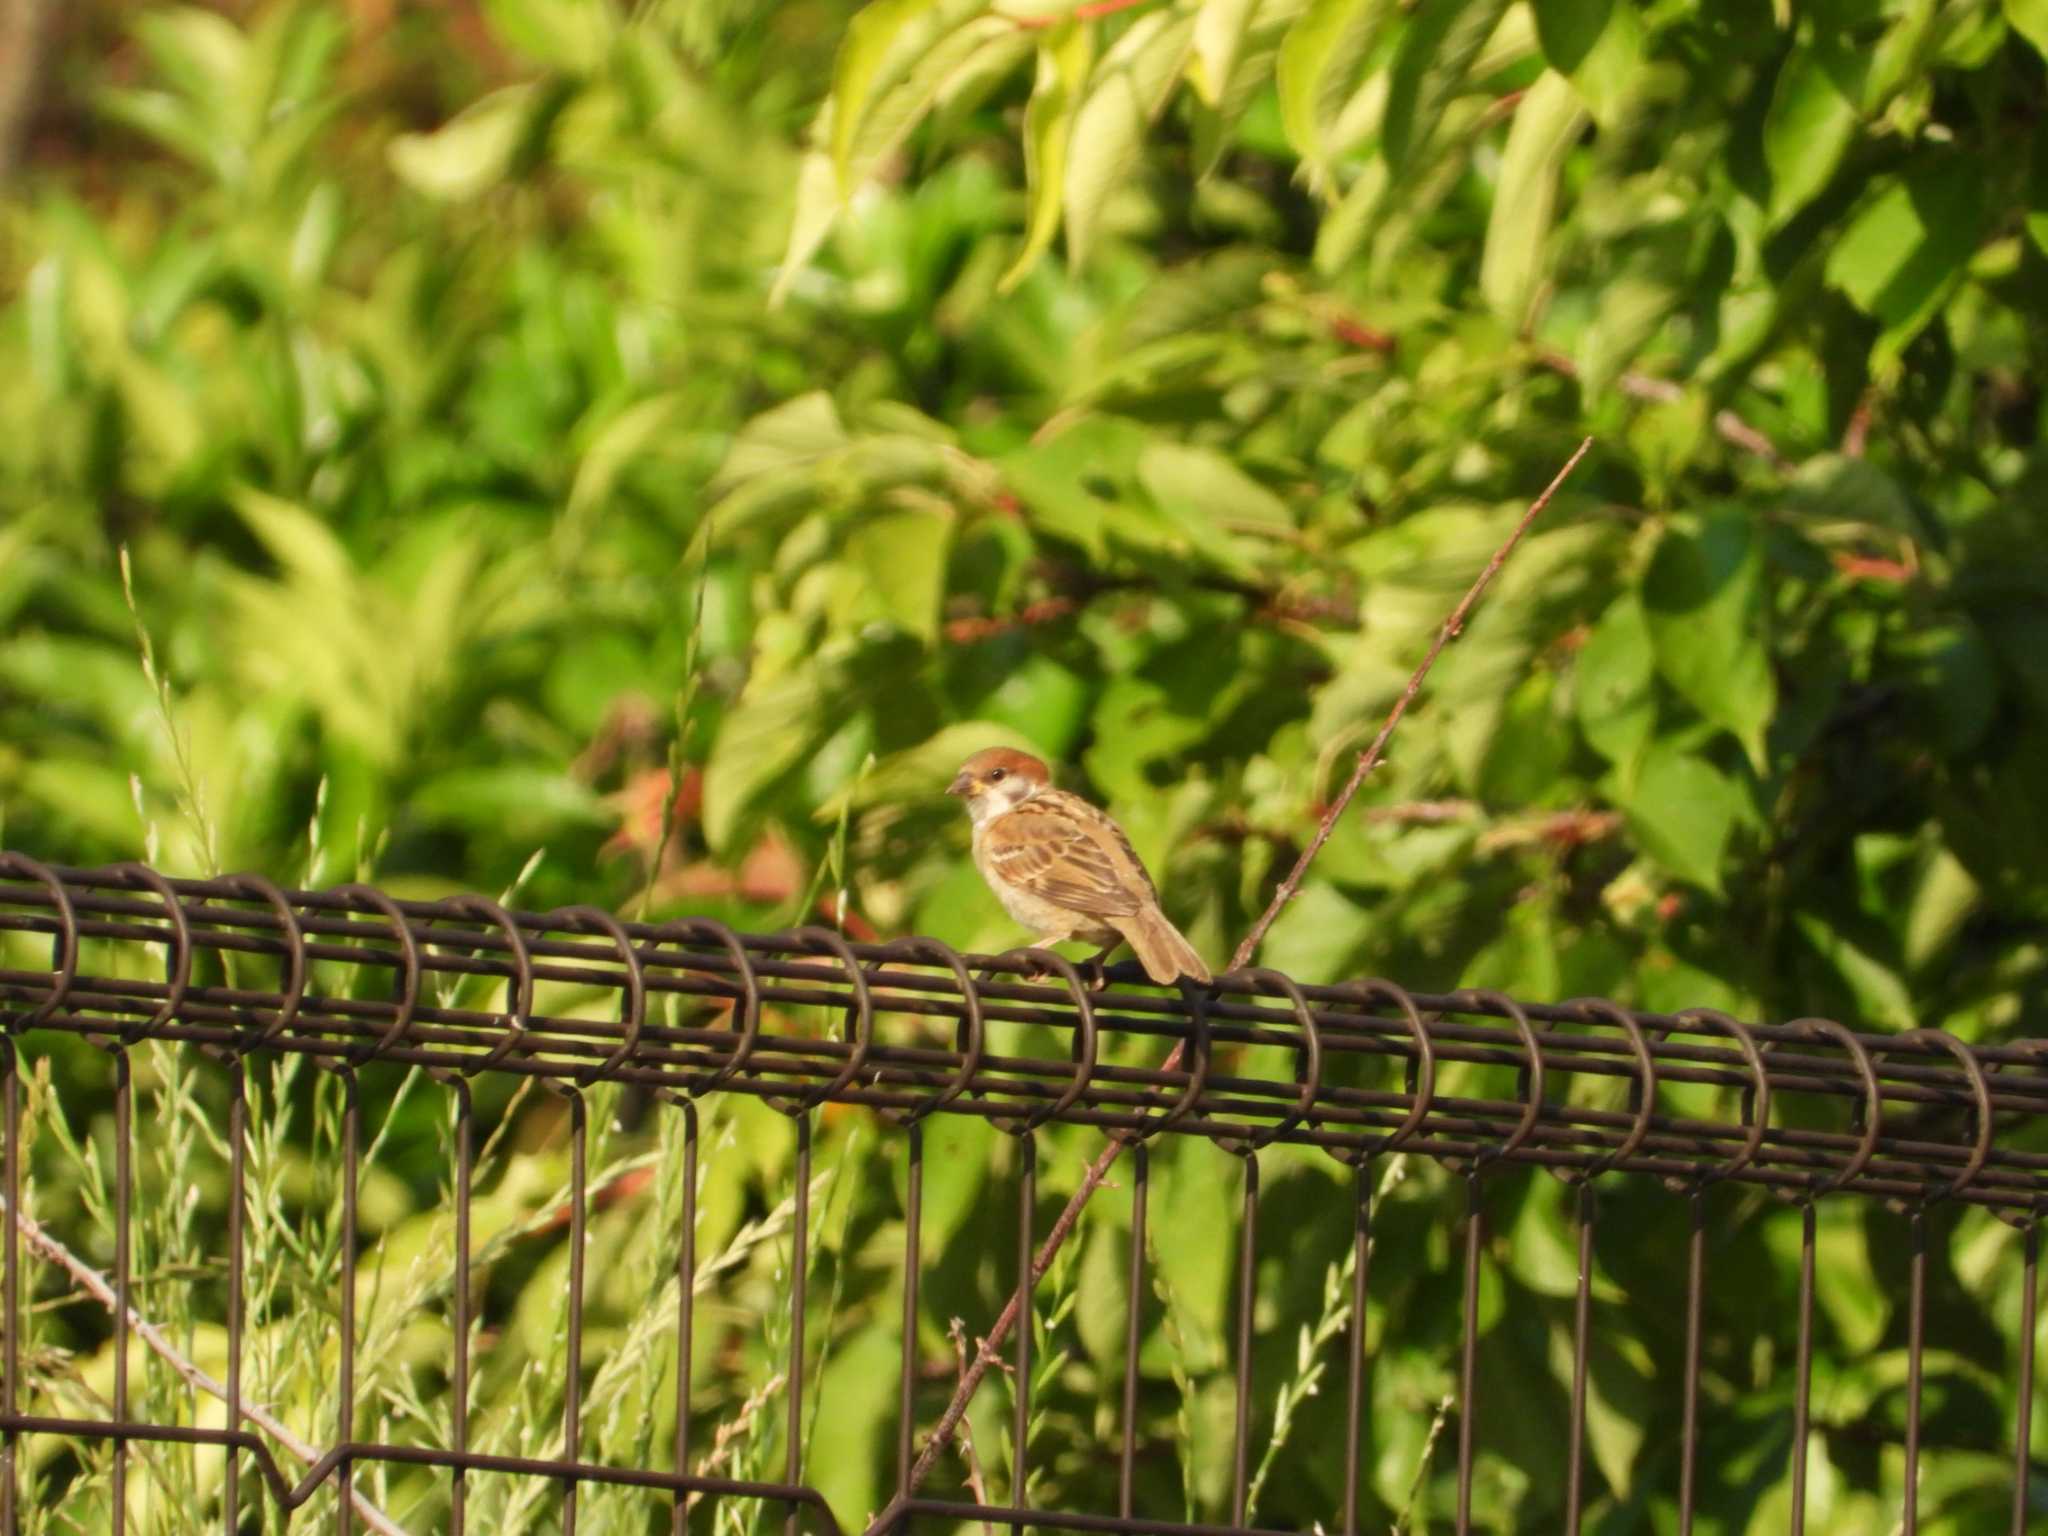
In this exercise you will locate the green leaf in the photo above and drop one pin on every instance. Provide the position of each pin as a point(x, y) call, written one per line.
point(1442, 40)
point(816, 210)
point(1211, 500)
point(856, 1397)
point(1683, 810)
point(1598, 45)
point(901, 558)
point(1619, 1402)
point(1846, 1283)
point(773, 727)
point(1633, 305)
point(622, 439)
point(1064, 58)
point(1835, 497)
point(1316, 72)
point(473, 151)
point(882, 41)
point(1220, 27)
point(1318, 936)
point(797, 432)
point(523, 802)
point(1072, 484)
point(900, 58)
point(1547, 124)
point(2029, 18)
point(954, 52)
point(1909, 245)
point(1703, 597)
point(556, 34)
point(1810, 124)
point(1878, 989)
point(1130, 87)
point(1943, 900)
point(1615, 696)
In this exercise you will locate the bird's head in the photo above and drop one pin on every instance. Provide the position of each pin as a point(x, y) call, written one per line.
point(994, 781)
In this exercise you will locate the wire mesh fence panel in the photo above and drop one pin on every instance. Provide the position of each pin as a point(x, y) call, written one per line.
point(334, 1210)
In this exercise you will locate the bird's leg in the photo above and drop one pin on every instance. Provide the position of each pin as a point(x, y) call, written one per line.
point(1093, 965)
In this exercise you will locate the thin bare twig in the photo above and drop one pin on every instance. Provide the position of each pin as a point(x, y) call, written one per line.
point(1098, 1170)
point(1369, 758)
point(94, 1284)
point(976, 1483)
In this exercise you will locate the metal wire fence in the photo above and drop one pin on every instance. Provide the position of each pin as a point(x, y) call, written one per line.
point(1480, 1082)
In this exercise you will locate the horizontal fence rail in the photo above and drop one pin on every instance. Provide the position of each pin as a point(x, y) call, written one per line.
point(235, 967)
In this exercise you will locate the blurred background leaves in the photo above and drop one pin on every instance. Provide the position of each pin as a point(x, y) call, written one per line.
point(505, 402)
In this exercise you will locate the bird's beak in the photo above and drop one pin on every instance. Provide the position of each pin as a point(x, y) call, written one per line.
point(962, 785)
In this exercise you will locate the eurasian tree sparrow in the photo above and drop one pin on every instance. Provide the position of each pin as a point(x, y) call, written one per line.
point(1062, 868)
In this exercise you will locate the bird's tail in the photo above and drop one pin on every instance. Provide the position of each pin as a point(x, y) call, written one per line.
point(1160, 948)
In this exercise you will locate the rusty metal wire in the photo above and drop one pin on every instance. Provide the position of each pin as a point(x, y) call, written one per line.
point(1475, 1080)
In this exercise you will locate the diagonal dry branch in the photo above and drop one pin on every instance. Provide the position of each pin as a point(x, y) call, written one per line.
point(1063, 1226)
point(96, 1285)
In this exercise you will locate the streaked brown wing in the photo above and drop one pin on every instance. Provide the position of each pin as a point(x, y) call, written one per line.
point(1055, 859)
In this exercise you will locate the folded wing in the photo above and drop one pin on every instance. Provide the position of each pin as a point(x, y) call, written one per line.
point(1058, 859)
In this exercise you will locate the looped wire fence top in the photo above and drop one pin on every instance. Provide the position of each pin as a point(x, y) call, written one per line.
point(1810, 1111)
point(1267, 1059)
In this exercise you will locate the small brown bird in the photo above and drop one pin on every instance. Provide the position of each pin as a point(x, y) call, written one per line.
point(1062, 868)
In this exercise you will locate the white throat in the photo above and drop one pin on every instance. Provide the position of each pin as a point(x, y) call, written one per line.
point(998, 798)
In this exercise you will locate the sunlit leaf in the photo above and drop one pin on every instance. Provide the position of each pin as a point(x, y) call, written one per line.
point(1437, 50)
point(1317, 70)
point(1907, 247)
point(1684, 810)
point(1810, 124)
point(1063, 62)
point(1128, 89)
point(1547, 123)
point(473, 151)
point(1219, 32)
point(1598, 45)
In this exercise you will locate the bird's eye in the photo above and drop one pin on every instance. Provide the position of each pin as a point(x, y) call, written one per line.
point(997, 774)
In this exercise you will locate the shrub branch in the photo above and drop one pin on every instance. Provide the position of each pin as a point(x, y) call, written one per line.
point(1063, 1227)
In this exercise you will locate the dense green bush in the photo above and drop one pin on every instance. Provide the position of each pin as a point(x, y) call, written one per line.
point(498, 407)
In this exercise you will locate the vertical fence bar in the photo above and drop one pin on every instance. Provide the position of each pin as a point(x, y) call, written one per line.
point(1695, 1301)
point(10, 1280)
point(1354, 1405)
point(1020, 1429)
point(465, 1164)
point(1134, 1321)
point(913, 1259)
point(799, 1300)
point(2023, 1429)
point(238, 1130)
point(1247, 1273)
point(345, 1413)
point(572, 1388)
point(686, 1313)
point(124, 1261)
point(1802, 1365)
point(1468, 1364)
point(1582, 1324)
point(1916, 1331)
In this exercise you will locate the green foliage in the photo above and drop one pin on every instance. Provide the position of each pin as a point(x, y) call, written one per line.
point(501, 407)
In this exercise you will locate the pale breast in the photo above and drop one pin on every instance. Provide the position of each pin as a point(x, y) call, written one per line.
point(1042, 917)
